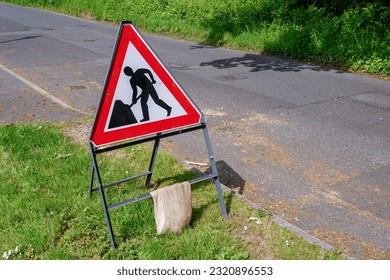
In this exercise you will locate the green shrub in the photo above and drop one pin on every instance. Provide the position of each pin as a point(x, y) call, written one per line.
point(351, 34)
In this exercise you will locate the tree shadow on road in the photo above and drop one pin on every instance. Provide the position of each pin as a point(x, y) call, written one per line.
point(20, 39)
point(258, 63)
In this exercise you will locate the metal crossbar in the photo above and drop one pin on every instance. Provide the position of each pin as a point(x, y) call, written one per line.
point(128, 201)
point(121, 181)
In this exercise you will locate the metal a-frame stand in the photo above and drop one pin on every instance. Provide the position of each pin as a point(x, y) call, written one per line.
point(213, 176)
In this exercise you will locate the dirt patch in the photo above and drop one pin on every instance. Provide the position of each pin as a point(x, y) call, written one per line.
point(256, 242)
point(78, 131)
point(217, 112)
point(308, 199)
point(242, 134)
point(373, 253)
point(82, 87)
point(320, 175)
point(345, 243)
point(284, 210)
point(168, 146)
point(247, 123)
point(278, 154)
point(87, 16)
point(337, 239)
point(266, 119)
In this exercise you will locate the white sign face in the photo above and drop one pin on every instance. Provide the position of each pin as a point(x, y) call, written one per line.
point(124, 93)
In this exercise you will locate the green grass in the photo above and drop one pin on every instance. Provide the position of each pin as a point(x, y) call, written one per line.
point(344, 34)
point(47, 214)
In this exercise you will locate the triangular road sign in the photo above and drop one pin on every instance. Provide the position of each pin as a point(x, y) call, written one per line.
point(140, 97)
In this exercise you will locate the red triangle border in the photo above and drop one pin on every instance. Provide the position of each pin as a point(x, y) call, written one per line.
point(128, 33)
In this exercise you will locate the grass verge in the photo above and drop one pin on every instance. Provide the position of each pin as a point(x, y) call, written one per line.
point(46, 213)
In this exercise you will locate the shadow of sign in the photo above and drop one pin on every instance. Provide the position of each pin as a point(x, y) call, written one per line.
point(229, 177)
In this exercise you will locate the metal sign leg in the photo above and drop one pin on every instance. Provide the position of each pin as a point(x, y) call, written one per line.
point(103, 198)
point(214, 172)
point(91, 181)
point(152, 161)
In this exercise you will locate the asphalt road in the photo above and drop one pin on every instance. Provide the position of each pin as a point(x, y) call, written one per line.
point(307, 143)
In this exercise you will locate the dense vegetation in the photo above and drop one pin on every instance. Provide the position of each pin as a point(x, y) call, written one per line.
point(342, 33)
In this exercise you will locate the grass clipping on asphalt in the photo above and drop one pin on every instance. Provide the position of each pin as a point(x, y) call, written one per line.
point(47, 214)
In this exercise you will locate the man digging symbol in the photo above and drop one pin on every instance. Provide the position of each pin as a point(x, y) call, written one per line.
point(139, 79)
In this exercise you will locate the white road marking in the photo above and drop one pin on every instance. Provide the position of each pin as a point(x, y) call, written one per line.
point(40, 90)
